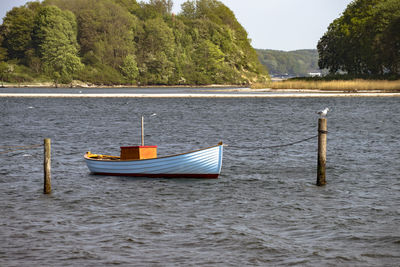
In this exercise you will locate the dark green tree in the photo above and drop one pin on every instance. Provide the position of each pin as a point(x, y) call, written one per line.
point(16, 30)
point(387, 39)
point(131, 5)
point(105, 29)
point(363, 40)
point(4, 72)
point(156, 58)
point(211, 20)
point(55, 34)
point(129, 69)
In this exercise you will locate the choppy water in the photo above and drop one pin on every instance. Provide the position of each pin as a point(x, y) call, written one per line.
point(264, 210)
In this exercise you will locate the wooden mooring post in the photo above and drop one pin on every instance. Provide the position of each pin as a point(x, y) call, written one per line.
point(322, 135)
point(47, 166)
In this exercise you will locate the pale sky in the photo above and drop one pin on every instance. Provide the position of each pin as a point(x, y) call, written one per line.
point(271, 24)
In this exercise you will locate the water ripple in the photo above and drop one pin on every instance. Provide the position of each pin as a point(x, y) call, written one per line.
point(263, 211)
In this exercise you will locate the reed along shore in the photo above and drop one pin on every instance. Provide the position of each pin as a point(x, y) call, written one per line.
point(334, 85)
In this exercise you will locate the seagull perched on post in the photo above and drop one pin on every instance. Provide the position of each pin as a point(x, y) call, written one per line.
point(322, 113)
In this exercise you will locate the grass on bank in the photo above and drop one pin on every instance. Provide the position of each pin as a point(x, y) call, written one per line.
point(336, 85)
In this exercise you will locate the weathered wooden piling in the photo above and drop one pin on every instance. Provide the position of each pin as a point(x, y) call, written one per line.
point(322, 136)
point(47, 166)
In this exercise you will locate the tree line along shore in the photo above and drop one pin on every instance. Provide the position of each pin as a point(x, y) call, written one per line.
point(112, 43)
point(125, 42)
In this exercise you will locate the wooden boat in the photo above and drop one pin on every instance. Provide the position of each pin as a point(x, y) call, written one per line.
point(142, 161)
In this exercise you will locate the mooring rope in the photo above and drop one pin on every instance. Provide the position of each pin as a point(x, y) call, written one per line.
point(276, 146)
point(18, 148)
point(294, 143)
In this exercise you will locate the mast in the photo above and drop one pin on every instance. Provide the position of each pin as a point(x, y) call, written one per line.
point(142, 131)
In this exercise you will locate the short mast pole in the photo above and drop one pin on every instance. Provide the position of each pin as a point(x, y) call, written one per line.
point(142, 131)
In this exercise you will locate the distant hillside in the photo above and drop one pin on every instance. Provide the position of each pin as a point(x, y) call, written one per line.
point(292, 63)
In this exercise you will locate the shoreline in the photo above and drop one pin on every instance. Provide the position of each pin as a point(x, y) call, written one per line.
point(208, 91)
point(90, 86)
point(200, 95)
point(207, 88)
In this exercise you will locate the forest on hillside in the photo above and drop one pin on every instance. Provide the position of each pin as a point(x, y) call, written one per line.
point(298, 63)
point(364, 40)
point(112, 42)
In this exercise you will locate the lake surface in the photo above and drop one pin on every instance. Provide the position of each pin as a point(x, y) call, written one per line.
point(264, 210)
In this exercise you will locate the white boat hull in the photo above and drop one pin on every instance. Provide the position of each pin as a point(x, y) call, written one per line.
point(204, 163)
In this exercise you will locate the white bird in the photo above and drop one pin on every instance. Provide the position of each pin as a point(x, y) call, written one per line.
point(322, 113)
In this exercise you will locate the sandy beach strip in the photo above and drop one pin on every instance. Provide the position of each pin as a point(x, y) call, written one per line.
point(199, 95)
